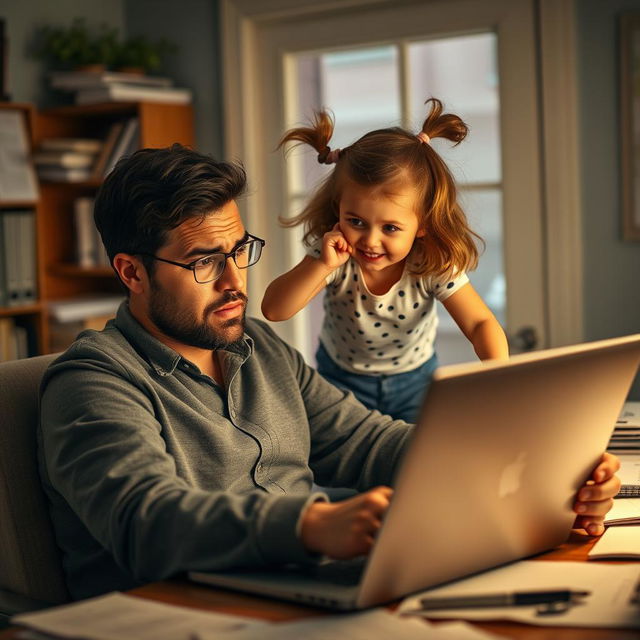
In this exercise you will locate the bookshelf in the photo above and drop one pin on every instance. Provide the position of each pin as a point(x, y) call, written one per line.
point(59, 277)
point(22, 324)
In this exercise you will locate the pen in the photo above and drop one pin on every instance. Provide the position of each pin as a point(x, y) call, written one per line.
point(516, 598)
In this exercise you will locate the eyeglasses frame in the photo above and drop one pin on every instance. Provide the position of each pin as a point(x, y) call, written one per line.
point(231, 254)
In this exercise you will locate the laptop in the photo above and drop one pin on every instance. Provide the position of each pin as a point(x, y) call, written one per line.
point(489, 477)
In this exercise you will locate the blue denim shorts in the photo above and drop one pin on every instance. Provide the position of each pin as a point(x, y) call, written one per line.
point(398, 394)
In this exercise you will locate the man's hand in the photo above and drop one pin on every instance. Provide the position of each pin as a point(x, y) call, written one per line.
point(345, 529)
point(595, 498)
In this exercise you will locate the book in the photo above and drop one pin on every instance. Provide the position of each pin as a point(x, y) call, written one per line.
point(27, 256)
point(86, 249)
point(62, 174)
point(17, 178)
point(127, 140)
point(127, 93)
point(65, 159)
point(75, 80)
point(83, 145)
point(11, 251)
point(617, 543)
point(100, 166)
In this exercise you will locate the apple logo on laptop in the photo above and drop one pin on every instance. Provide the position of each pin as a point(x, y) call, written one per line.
point(511, 476)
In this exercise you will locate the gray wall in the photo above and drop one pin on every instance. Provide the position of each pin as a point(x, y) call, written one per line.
point(193, 26)
point(611, 267)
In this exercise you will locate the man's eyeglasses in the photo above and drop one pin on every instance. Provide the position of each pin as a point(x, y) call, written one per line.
point(211, 267)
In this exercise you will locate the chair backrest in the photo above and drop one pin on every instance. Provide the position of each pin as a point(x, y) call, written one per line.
point(30, 561)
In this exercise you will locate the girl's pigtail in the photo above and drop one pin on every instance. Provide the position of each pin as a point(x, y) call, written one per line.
point(449, 246)
point(320, 213)
point(316, 136)
point(443, 125)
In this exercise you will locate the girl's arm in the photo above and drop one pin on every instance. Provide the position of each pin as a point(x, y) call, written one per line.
point(291, 291)
point(477, 323)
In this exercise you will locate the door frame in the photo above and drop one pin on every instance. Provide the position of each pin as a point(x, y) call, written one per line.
point(539, 36)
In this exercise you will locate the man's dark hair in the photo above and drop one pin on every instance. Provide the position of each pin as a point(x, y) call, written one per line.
point(155, 190)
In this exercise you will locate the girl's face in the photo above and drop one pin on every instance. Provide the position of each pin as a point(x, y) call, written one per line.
point(381, 227)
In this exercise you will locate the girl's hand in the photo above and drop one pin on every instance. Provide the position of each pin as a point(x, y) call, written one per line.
point(335, 248)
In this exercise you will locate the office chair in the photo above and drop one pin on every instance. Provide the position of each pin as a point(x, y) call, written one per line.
point(31, 575)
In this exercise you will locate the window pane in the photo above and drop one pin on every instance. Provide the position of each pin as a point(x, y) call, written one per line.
point(362, 89)
point(484, 212)
point(461, 72)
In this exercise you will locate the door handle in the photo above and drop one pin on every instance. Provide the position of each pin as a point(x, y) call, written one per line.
point(524, 339)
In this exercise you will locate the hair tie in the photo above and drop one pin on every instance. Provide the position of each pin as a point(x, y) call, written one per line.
point(328, 156)
point(423, 137)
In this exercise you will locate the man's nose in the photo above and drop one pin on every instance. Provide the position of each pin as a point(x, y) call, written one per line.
point(231, 277)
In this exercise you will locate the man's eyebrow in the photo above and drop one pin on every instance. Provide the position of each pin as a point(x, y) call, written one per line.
point(205, 251)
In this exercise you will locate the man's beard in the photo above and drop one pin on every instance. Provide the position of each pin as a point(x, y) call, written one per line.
point(181, 325)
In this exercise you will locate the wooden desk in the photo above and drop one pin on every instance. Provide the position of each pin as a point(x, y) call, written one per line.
point(188, 594)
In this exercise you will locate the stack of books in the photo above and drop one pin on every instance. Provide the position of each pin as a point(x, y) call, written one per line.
point(82, 159)
point(626, 434)
point(17, 258)
point(114, 86)
point(66, 159)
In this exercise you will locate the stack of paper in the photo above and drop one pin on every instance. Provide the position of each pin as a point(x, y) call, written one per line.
point(624, 511)
point(626, 435)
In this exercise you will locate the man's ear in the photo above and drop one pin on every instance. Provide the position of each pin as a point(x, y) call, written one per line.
point(131, 272)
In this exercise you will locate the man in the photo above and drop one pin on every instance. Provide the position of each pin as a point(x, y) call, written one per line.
point(182, 437)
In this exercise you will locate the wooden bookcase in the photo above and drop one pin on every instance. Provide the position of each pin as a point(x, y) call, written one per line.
point(29, 315)
point(58, 275)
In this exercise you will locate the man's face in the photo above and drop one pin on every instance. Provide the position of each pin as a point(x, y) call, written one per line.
point(210, 315)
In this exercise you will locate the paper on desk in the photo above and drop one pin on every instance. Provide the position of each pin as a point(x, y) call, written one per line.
point(619, 543)
point(611, 587)
point(377, 623)
point(116, 616)
point(624, 511)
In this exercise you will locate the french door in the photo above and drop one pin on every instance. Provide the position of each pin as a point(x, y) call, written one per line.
point(374, 64)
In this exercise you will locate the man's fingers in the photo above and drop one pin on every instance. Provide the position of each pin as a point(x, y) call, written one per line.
point(607, 467)
point(593, 526)
point(590, 509)
point(601, 491)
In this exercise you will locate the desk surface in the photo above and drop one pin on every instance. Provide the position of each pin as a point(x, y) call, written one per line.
point(185, 593)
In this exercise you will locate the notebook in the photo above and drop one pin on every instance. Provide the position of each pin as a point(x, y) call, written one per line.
point(490, 475)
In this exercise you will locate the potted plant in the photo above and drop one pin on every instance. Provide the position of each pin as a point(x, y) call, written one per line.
point(141, 55)
point(77, 46)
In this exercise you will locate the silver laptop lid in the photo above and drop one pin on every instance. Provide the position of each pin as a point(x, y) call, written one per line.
point(499, 451)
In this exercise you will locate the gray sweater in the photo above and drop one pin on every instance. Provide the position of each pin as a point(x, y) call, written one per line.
point(152, 469)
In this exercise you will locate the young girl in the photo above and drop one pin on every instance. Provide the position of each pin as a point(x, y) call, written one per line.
point(387, 238)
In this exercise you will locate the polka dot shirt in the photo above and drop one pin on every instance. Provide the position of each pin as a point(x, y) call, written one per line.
point(390, 333)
